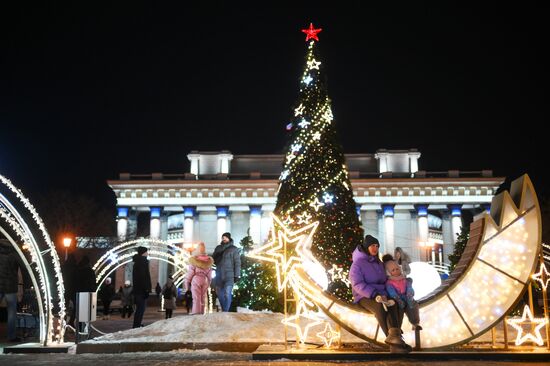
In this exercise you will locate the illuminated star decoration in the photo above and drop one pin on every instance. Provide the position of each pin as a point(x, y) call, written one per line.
point(289, 158)
point(543, 277)
point(337, 273)
point(304, 218)
point(289, 220)
point(304, 123)
point(317, 136)
point(311, 33)
point(329, 335)
point(284, 174)
point(298, 111)
point(516, 324)
point(328, 198)
point(308, 79)
point(312, 64)
point(274, 252)
point(316, 204)
point(302, 312)
point(295, 148)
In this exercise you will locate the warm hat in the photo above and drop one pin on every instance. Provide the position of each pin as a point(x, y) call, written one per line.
point(370, 240)
point(228, 235)
point(127, 282)
point(108, 281)
point(141, 250)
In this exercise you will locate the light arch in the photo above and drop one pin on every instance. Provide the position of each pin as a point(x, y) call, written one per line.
point(157, 249)
point(21, 225)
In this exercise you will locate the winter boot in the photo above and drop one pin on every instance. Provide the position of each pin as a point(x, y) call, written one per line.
point(394, 337)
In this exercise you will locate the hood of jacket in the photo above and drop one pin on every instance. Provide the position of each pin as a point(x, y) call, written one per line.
point(202, 261)
point(358, 254)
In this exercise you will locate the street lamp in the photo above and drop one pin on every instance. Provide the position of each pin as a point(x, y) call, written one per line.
point(190, 247)
point(67, 243)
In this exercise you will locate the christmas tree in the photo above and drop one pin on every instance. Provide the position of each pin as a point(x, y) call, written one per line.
point(257, 288)
point(314, 184)
point(461, 241)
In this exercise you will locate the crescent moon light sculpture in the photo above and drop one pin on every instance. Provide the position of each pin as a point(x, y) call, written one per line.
point(489, 280)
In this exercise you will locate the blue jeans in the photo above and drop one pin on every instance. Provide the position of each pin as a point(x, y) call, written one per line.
point(11, 302)
point(141, 302)
point(225, 294)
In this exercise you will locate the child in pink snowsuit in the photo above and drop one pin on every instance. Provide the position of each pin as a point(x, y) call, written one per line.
point(199, 277)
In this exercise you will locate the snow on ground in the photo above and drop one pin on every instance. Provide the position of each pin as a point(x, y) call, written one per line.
point(258, 327)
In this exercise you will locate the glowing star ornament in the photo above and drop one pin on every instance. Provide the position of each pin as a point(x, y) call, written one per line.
point(274, 251)
point(304, 123)
point(284, 175)
point(288, 221)
point(294, 321)
point(311, 32)
point(543, 277)
point(316, 204)
point(312, 64)
point(295, 148)
point(289, 158)
point(328, 198)
point(329, 335)
point(307, 80)
point(336, 273)
point(533, 337)
point(316, 136)
point(304, 218)
point(298, 111)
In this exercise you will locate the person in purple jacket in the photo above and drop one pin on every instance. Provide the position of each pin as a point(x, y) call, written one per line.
point(368, 283)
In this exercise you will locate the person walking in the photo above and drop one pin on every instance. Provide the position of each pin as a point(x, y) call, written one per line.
point(127, 299)
point(84, 282)
point(227, 258)
point(9, 284)
point(199, 276)
point(368, 283)
point(158, 290)
point(141, 279)
point(68, 272)
point(169, 294)
point(106, 294)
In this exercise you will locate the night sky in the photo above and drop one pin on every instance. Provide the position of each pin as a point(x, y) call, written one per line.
point(91, 90)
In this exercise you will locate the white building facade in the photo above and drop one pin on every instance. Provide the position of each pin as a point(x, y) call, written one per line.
point(402, 206)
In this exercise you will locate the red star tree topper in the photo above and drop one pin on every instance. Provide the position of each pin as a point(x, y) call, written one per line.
point(311, 33)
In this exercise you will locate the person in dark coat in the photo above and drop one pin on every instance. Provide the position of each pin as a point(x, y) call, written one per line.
point(127, 299)
point(158, 290)
point(68, 270)
point(141, 279)
point(9, 283)
point(106, 294)
point(227, 258)
point(368, 283)
point(169, 293)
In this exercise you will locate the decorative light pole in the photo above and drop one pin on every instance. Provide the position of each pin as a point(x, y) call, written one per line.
point(67, 244)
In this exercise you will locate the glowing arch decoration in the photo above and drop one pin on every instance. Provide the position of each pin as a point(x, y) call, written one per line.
point(21, 225)
point(491, 277)
point(157, 249)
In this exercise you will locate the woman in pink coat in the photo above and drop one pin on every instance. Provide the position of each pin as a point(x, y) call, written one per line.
point(199, 277)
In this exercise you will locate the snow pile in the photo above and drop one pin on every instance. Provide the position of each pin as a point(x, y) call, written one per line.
point(258, 327)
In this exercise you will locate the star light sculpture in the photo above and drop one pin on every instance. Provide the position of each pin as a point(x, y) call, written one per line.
point(329, 335)
point(298, 244)
point(543, 277)
point(535, 337)
point(294, 321)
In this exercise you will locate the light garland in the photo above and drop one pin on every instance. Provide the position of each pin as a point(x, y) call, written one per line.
point(528, 319)
point(45, 270)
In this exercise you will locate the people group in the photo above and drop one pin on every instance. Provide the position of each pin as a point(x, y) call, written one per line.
point(379, 286)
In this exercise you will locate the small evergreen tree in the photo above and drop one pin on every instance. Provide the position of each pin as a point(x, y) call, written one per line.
point(257, 288)
point(461, 241)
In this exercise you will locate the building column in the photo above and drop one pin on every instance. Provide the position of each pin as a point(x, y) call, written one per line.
point(122, 223)
point(456, 220)
point(222, 212)
point(423, 230)
point(266, 223)
point(188, 223)
point(154, 225)
point(389, 228)
point(154, 233)
point(255, 228)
